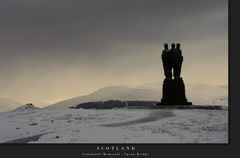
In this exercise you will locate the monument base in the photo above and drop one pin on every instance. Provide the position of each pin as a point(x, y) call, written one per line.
point(173, 103)
point(174, 93)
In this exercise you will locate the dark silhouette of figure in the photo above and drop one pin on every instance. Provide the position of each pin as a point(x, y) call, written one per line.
point(173, 92)
point(171, 59)
point(177, 61)
point(167, 63)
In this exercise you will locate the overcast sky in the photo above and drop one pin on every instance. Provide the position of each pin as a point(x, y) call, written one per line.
point(51, 50)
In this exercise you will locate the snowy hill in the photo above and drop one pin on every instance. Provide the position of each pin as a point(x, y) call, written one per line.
point(29, 124)
point(199, 94)
point(8, 104)
point(204, 94)
point(27, 107)
point(111, 93)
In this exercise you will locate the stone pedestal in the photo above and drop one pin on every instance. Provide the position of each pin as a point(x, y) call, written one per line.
point(174, 93)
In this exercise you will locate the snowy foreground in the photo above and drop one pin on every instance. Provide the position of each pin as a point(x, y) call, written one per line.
point(114, 126)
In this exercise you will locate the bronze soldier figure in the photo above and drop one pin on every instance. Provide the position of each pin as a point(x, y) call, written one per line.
point(167, 64)
point(177, 62)
point(171, 58)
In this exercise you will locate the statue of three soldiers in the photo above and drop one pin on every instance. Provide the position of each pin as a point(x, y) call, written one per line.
point(172, 59)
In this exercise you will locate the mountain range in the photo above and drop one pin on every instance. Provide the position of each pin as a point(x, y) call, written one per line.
point(199, 94)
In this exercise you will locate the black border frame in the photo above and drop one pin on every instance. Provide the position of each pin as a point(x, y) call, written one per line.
point(165, 150)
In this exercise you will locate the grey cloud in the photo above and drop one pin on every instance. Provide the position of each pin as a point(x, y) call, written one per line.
point(42, 36)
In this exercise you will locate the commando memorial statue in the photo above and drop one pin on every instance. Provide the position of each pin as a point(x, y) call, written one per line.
point(173, 92)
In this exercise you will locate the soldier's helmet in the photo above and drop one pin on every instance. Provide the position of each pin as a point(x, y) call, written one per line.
point(178, 45)
point(165, 45)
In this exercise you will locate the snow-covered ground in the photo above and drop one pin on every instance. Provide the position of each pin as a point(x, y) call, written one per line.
point(114, 126)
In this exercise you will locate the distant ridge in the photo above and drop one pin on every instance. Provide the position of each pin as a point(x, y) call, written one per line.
point(110, 93)
point(199, 94)
point(8, 104)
